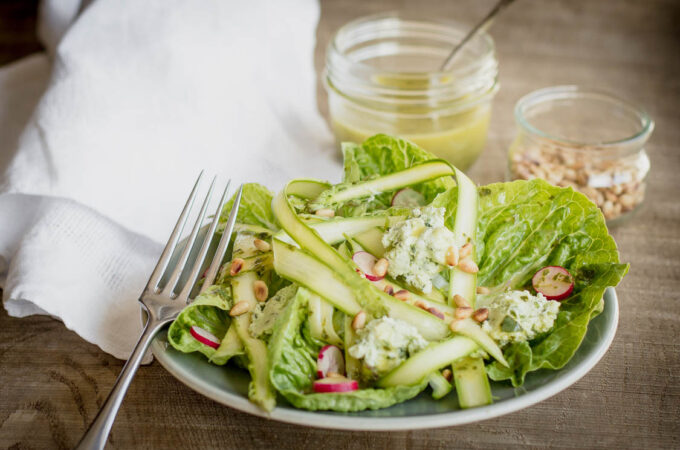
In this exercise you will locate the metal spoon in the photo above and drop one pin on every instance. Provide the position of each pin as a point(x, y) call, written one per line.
point(482, 25)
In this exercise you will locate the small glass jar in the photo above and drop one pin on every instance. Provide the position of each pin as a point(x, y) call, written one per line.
point(383, 76)
point(589, 140)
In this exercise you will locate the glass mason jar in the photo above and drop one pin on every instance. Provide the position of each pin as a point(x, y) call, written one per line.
point(587, 139)
point(383, 76)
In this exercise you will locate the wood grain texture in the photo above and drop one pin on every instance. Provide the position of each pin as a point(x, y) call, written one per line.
point(52, 382)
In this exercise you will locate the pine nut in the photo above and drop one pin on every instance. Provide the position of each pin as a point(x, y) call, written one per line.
point(463, 312)
point(239, 308)
point(261, 245)
point(481, 290)
point(421, 304)
point(260, 290)
point(333, 375)
point(380, 267)
point(446, 373)
point(456, 325)
point(467, 265)
point(460, 301)
point(402, 294)
point(325, 212)
point(436, 312)
point(481, 314)
point(389, 290)
point(465, 251)
point(452, 256)
point(359, 320)
point(236, 266)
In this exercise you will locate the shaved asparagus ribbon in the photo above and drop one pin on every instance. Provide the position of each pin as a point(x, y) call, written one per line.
point(310, 240)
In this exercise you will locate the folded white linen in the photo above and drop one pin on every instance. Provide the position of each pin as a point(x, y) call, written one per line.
point(141, 96)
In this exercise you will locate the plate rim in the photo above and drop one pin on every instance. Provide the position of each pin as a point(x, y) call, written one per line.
point(342, 422)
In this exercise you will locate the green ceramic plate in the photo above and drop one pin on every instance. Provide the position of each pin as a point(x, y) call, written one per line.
point(229, 386)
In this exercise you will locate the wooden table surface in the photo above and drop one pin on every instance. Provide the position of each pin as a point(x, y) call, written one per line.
point(52, 382)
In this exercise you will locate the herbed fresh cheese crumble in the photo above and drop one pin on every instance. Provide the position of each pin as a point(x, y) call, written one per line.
point(417, 246)
point(385, 343)
point(517, 316)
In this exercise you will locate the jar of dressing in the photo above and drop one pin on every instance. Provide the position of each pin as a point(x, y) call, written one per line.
point(383, 76)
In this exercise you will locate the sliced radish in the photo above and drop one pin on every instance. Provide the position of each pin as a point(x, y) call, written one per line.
point(554, 282)
point(366, 263)
point(408, 198)
point(204, 337)
point(335, 384)
point(330, 360)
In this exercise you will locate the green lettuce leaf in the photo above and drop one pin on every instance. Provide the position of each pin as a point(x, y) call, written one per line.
point(209, 311)
point(292, 354)
point(255, 207)
point(376, 156)
point(526, 225)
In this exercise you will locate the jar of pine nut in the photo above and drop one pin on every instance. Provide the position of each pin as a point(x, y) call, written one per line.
point(586, 139)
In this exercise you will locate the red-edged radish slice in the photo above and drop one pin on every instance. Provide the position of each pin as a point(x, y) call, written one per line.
point(204, 337)
point(366, 263)
point(335, 384)
point(408, 198)
point(554, 282)
point(330, 360)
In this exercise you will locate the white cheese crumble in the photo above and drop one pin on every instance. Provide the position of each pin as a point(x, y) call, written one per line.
point(417, 246)
point(385, 343)
point(517, 316)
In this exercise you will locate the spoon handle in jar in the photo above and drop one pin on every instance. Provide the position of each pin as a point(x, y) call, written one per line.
point(481, 25)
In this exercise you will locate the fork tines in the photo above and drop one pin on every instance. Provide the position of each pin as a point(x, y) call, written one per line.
point(170, 287)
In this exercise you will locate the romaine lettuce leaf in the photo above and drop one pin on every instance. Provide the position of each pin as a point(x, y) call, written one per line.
point(526, 225)
point(292, 354)
point(376, 156)
point(209, 311)
point(522, 227)
point(255, 209)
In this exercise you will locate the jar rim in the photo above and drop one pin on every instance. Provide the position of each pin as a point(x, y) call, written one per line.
point(408, 17)
point(387, 34)
point(574, 92)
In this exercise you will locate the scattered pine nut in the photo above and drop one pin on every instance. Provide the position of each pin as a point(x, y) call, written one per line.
point(481, 314)
point(239, 308)
point(380, 267)
point(467, 265)
point(465, 250)
point(452, 256)
point(463, 312)
point(359, 320)
point(261, 245)
point(446, 373)
point(455, 325)
point(236, 266)
point(460, 301)
point(436, 312)
point(483, 290)
point(389, 290)
point(333, 375)
point(421, 304)
point(402, 294)
point(260, 290)
point(325, 212)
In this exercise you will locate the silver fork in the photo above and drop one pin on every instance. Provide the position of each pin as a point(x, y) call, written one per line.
point(163, 304)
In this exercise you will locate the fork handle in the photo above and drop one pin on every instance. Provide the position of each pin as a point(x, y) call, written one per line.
point(97, 434)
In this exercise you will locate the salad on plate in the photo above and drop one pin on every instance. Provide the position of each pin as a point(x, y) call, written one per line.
point(402, 278)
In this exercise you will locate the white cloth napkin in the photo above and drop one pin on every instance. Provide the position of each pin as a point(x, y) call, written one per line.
point(102, 140)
